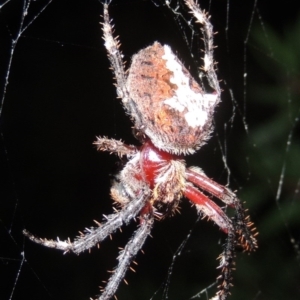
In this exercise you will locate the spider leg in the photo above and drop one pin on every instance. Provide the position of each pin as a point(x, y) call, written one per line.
point(208, 207)
point(94, 235)
point(243, 224)
point(127, 255)
point(209, 64)
point(214, 212)
point(114, 146)
point(112, 46)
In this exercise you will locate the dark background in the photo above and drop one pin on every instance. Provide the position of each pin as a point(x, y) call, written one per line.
point(54, 182)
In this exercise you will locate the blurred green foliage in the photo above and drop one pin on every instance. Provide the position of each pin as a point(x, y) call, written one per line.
point(273, 146)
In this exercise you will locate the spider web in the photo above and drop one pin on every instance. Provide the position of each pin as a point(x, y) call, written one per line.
point(56, 95)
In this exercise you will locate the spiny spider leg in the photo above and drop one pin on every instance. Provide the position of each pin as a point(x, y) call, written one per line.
point(207, 31)
point(92, 236)
point(208, 207)
point(115, 146)
point(127, 255)
point(115, 57)
point(216, 214)
point(244, 227)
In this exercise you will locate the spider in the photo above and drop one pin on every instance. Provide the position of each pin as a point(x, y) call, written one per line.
point(172, 117)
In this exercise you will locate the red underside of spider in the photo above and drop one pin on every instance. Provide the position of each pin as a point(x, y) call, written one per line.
point(152, 160)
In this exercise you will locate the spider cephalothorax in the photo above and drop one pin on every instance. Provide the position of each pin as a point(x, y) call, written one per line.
point(172, 116)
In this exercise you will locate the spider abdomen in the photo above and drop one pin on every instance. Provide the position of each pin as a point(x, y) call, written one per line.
point(172, 109)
